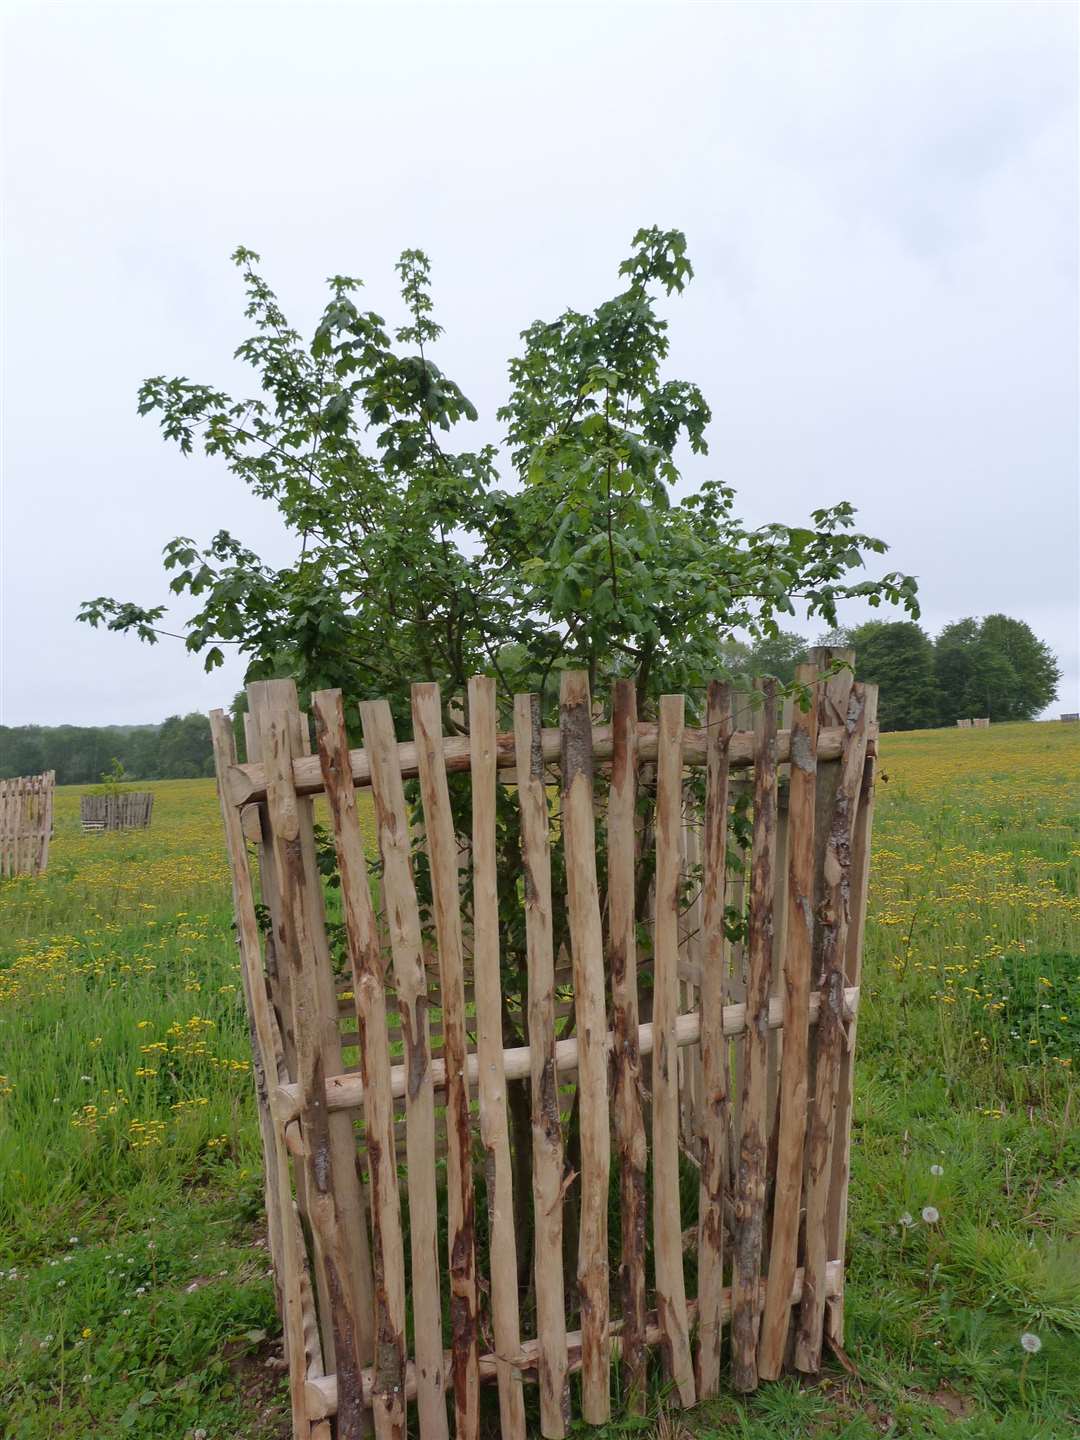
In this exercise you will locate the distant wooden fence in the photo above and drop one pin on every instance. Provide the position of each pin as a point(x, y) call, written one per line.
point(980, 723)
point(26, 817)
point(741, 1076)
point(127, 810)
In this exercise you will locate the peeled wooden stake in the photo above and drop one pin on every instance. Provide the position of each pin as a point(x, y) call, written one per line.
point(547, 1139)
point(750, 1176)
point(667, 1218)
point(461, 1234)
point(388, 1256)
point(626, 1050)
point(587, 947)
point(494, 1133)
point(799, 937)
point(716, 1109)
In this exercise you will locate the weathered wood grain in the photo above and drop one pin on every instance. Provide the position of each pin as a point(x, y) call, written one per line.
point(667, 1217)
point(369, 998)
point(416, 1081)
point(461, 1233)
point(750, 1175)
point(626, 1053)
point(273, 705)
point(715, 1116)
point(834, 918)
point(586, 943)
point(798, 958)
point(540, 1061)
point(836, 1219)
point(494, 1129)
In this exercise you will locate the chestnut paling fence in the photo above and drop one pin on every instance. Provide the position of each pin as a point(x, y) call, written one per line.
point(117, 810)
point(26, 819)
point(692, 900)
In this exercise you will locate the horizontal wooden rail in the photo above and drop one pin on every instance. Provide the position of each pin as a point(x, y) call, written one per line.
point(321, 1390)
point(346, 1092)
point(246, 784)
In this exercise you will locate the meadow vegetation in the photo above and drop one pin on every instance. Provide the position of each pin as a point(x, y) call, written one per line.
point(135, 1296)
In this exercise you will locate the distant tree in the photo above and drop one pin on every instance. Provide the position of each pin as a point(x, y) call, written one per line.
point(184, 747)
point(21, 751)
point(996, 667)
point(899, 658)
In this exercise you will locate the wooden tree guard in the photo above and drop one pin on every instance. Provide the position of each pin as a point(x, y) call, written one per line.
point(124, 810)
point(26, 819)
point(748, 1052)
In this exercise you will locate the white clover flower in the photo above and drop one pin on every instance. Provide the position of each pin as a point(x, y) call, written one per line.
point(937, 1170)
point(905, 1220)
point(1031, 1343)
point(930, 1215)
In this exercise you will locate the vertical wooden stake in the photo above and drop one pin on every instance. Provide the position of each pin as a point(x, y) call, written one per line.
point(494, 1133)
point(626, 1057)
point(860, 880)
point(369, 996)
point(546, 1124)
point(410, 980)
point(461, 1235)
point(834, 919)
point(587, 949)
point(273, 704)
point(281, 1227)
point(667, 1218)
point(798, 958)
point(750, 1177)
point(716, 1117)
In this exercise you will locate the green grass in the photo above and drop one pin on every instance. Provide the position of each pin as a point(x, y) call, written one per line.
point(139, 1220)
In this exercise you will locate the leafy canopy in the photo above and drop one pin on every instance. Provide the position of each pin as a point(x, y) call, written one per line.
point(997, 667)
point(419, 560)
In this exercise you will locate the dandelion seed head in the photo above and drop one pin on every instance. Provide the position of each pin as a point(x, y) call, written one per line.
point(1031, 1343)
point(906, 1220)
point(937, 1170)
point(930, 1215)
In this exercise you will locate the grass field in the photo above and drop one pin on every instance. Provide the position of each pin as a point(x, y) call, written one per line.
point(135, 1298)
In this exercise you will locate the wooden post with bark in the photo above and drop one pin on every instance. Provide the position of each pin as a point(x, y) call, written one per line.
point(586, 941)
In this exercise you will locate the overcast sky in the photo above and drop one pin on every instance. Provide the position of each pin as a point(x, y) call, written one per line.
point(880, 205)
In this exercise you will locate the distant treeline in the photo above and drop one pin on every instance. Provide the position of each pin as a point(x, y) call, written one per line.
point(995, 667)
point(177, 749)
